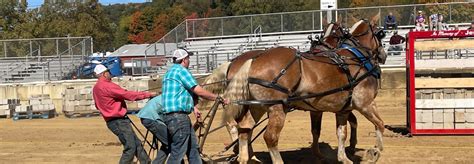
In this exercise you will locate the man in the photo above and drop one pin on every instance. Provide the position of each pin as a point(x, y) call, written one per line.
point(390, 22)
point(434, 21)
point(151, 117)
point(395, 42)
point(420, 22)
point(109, 100)
point(178, 86)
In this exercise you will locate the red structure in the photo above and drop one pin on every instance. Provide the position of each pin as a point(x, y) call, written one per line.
point(410, 64)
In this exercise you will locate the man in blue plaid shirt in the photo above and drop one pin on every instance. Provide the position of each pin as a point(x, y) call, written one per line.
point(178, 85)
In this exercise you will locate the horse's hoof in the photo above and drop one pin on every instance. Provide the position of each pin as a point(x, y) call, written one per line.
point(373, 155)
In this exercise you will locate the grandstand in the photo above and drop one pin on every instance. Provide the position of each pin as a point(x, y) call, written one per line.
point(42, 59)
point(217, 40)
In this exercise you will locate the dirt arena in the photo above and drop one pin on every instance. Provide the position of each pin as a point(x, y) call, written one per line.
point(63, 140)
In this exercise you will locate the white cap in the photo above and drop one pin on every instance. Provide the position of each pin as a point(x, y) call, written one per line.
point(99, 68)
point(181, 54)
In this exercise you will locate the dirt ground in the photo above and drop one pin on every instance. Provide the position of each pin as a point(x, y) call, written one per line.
point(64, 140)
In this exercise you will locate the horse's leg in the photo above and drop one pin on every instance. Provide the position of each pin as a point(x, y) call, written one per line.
point(276, 120)
point(341, 120)
point(316, 118)
point(353, 140)
point(245, 128)
point(234, 134)
point(370, 112)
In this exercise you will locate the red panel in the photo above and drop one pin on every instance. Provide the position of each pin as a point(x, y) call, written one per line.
point(412, 36)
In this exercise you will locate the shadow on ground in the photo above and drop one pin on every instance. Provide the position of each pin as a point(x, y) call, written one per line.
point(305, 156)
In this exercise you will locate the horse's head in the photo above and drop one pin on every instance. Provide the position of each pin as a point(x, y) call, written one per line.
point(332, 35)
point(367, 35)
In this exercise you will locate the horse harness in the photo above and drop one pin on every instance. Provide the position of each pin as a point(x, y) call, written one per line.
point(364, 62)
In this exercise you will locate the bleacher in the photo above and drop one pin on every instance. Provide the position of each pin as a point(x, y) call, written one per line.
point(30, 70)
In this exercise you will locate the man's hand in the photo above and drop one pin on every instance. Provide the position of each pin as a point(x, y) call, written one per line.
point(223, 100)
point(153, 94)
point(197, 113)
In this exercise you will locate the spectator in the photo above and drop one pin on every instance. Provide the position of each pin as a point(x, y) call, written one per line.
point(433, 21)
point(420, 21)
point(472, 26)
point(110, 101)
point(178, 86)
point(441, 25)
point(390, 22)
point(396, 44)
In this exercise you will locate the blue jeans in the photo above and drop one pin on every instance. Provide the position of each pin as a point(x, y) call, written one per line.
point(182, 139)
point(132, 146)
point(159, 130)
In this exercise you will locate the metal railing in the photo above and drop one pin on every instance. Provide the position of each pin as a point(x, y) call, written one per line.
point(301, 21)
point(43, 51)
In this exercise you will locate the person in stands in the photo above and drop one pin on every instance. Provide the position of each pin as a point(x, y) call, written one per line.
point(395, 44)
point(390, 22)
point(420, 22)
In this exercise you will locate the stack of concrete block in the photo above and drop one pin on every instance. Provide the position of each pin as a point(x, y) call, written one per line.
point(41, 103)
point(445, 109)
point(78, 101)
point(136, 105)
point(7, 107)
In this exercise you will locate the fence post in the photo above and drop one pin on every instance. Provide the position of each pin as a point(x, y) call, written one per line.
point(222, 26)
point(60, 59)
point(450, 18)
point(281, 21)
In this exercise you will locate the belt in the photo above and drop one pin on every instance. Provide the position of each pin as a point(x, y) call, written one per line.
point(179, 112)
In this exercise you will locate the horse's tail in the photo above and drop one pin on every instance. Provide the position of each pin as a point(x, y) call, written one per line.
point(216, 81)
point(237, 90)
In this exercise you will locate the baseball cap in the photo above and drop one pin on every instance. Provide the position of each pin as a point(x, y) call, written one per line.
point(181, 54)
point(99, 68)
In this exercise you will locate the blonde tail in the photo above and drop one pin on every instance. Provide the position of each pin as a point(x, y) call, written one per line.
point(237, 90)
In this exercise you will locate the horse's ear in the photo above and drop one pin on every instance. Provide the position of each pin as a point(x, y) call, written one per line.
point(339, 20)
point(325, 22)
point(375, 19)
point(354, 20)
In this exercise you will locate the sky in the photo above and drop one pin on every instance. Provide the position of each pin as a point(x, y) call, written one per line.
point(36, 3)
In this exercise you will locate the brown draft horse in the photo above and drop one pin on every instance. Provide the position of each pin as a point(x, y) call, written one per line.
point(332, 38)
point(278, 85)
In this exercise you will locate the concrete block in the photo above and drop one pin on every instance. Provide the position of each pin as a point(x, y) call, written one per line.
point(427, 125)
point(69, 97)
point(438, 116)
point(85, 91)
point(469, 117)
point(419, 125)
point(427, 116)
point(8, 112)
point(92, 107)
point(419, 117)
point(51, 106)
point(35, 101)
point(78, 97)
point(2, 112)
point(469, 125)
point(70, 92)
point(89, 97)
point(46, 101)
point(459, 116)
point(5, 106)
point(438, 125)
point(459, 125)
point(3, 101)
point(68, 108)
point(448, 115)
point(85, 102)
point(448, 125)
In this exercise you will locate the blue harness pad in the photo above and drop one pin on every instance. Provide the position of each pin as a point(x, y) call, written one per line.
point(367, 64)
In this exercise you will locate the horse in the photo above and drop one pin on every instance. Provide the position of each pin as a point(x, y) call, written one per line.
point(270, 84)
point(331, 39)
